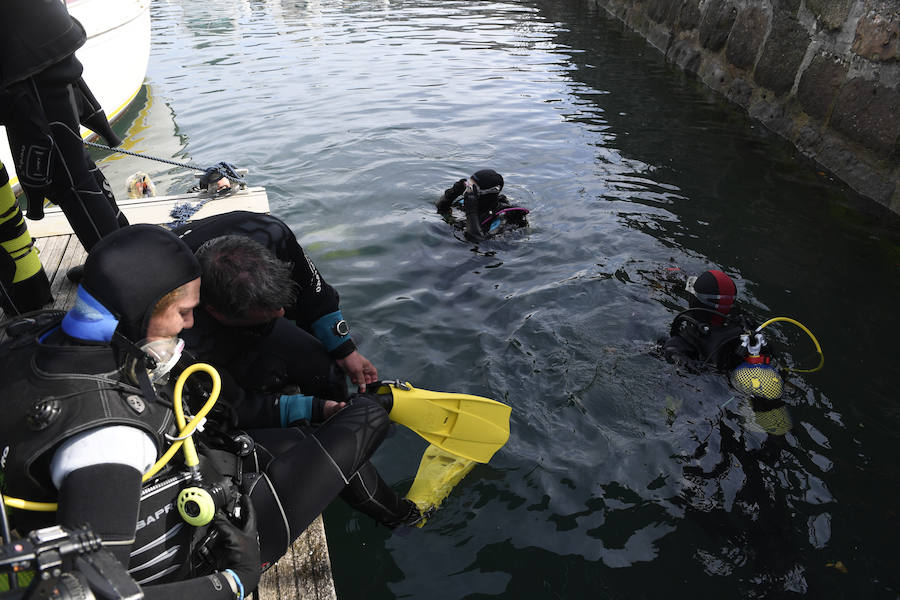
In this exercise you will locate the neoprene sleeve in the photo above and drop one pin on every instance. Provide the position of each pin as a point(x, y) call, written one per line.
point(296, 407)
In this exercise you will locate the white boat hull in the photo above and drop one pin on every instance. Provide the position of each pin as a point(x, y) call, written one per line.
point(115, 56)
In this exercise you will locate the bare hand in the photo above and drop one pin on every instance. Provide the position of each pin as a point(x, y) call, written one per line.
point(359, 369)
point(331, 407)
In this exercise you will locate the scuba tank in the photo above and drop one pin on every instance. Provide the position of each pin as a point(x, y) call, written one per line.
point(758, 379)
point(24, 285)
point(755, 376)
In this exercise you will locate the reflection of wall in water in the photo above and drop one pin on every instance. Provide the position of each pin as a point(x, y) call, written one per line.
point(824, 75)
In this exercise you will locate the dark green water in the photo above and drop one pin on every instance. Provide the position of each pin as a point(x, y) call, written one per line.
point(623, 478)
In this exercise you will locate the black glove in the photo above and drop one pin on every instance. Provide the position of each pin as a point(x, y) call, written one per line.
point(450, 194)
point(458, 188)
point(473, 225)
point(473, 228)
point(241, 545)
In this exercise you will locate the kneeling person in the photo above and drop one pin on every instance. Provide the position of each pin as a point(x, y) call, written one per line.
point(93, 412)
point(266, 314)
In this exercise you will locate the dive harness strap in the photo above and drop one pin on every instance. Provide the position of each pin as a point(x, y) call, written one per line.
point(144, 361)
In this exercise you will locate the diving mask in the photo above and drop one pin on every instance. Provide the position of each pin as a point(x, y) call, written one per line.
point(162, 356)
point(471, 185)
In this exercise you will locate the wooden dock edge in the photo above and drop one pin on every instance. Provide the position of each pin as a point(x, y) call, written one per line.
point(304, 572)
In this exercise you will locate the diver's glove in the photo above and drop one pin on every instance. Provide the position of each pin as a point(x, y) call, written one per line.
point(457, 189)
point(473, 228)
point(241, 545)
point(473, 225)
point(451, 194)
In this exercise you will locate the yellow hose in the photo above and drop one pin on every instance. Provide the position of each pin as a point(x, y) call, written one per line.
point(808, 332)
point(190, 453)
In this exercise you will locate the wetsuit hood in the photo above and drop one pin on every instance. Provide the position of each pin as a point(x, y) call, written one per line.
point(132, 268)
point(713, 290)
point(489, 182)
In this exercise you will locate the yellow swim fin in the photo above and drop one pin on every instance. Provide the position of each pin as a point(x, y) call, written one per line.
point(439, 471)
point(471, 427)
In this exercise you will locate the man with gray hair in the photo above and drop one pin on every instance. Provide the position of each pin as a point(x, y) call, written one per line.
point(266, 314)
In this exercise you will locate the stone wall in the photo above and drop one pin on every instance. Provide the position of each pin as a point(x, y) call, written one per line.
point(825, 74)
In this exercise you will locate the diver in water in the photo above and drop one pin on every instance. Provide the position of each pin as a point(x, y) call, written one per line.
point(43, 100)
point(488, 212)
point(93, 412)
point(266, 313)
point(709, 331)
point(713, 332)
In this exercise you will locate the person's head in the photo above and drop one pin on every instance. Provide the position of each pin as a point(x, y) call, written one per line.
point(713, 290)
point(140, 281)
point(244, 284)
point(487, 183)
point(174, 312)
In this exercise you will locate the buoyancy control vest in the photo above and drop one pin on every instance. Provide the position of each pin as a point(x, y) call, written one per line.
point(24, 285)
point(713, 344)
point(496, 214)
point(48, 397)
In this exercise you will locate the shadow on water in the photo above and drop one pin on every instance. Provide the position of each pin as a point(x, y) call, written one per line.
point(624, 476)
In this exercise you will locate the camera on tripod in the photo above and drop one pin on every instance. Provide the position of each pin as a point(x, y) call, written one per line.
point(67, 565)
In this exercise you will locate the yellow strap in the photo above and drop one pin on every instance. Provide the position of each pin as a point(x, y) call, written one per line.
point(28, 263)
point(23, 252)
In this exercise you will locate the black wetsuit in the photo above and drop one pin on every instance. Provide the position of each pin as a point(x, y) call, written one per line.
point(42, 102)
point(290, 477)
point(281, 352)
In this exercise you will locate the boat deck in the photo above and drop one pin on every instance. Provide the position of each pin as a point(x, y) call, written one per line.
point(304, 573)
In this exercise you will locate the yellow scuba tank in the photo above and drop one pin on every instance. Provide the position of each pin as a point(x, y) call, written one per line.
point(755, 377)
point(24, 285)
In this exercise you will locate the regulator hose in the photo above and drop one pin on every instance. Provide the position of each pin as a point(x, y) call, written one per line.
point(808, 332)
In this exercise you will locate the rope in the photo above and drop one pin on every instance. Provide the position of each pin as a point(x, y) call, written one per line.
point(181, 213)
point(147, 156)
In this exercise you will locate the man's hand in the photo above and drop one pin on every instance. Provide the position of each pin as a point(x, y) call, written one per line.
point(359, 369)
point(332, 407)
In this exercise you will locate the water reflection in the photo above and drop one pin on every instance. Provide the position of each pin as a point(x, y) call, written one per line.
point(624, 476)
